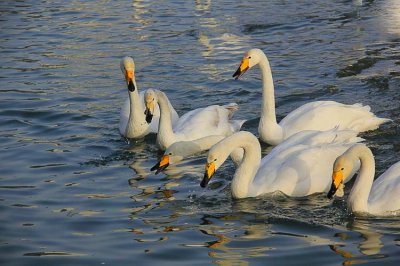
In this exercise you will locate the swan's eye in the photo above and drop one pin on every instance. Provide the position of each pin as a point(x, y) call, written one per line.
point(170, 153)
point(215, 160)
point(342, 169)
point(249, 57)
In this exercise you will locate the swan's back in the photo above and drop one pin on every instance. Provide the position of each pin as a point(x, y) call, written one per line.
point(324, 115)
point(302, 164)
point(201, 122)
point(385, 192)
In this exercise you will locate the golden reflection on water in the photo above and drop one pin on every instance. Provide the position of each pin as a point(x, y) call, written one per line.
point(370, 244)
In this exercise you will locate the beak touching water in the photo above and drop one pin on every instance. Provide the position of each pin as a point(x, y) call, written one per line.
point(337, 178)
point(161, 165)
point(244, 66)
point(210, 170)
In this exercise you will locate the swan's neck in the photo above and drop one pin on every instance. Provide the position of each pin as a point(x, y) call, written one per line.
point(270, 131)
point(165, 136)
point(136, 120)
point(247, 169)
point(358, 198)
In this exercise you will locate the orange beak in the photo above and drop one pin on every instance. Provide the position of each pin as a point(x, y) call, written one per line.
point(162, 164)
point(129, 76)
point(244, 66)
point(210, 170)
point(337, 178)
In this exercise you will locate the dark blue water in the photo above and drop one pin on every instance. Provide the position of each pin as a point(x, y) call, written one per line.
point(74, 192)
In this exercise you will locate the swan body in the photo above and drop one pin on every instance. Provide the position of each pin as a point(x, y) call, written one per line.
point(297, 167)
point(180, 150)
point(132, 123)
point(318, 115)
point(196, 124)
point(380, 197)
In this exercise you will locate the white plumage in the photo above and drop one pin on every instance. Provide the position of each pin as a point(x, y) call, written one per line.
point(319, 115)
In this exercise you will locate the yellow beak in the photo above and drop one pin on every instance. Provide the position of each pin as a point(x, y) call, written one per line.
point(337, 178)
point(129, 75)
point(164, 160)
point(162, 164)
point(244, 66)
point(210, 170)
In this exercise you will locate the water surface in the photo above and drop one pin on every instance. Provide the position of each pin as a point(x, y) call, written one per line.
point(74, 192)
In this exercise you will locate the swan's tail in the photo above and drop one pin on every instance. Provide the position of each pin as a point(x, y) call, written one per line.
point(232, 108)
point(367, 121)
point(367, 124)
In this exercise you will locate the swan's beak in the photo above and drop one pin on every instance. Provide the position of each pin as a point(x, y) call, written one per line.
point(129, 80)
point(210, 170)
point(161, 165)
point(337, 178)
point(244, 66)
point(149, 111)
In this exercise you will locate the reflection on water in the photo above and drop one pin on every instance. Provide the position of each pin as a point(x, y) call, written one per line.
point(74, 192)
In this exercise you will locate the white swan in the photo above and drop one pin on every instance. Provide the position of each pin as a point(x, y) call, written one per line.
point(198, 123)
point(184, 149)
point(132, 119)
point(318, 115)
point(298, 167)
point(381, 197)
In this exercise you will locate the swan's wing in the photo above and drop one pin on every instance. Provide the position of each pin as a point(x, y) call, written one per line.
point(385, 192)
point(198, 123)
point(325, 115)
point(315, 137)
point(300, 170)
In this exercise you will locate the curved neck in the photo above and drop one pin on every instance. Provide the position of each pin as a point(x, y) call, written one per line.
point(358, 198)
point(247, 169)
point(165, 136)
point(136, 114)
point(268, 128)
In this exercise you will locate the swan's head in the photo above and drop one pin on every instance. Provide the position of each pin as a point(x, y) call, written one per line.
point(174, 154)
point(342, 168)
point(250, 59)
point(214, 161)
point(149, 102)
point(128, 69)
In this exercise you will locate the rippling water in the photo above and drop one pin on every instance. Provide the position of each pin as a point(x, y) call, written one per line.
point(74, 192)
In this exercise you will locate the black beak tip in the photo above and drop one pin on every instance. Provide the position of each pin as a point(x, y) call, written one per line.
point(159, 169)
point(155, 167)
point(205, 181)
point(149, 117)
point(131, 86)
point(236, 75)
point(331, 192)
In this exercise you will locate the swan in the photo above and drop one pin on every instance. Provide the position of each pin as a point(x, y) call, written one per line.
point(132, 123)
point(184, 149)
point(297, 167)
point(381, 197)
point(198, 123)
point(318, 115)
